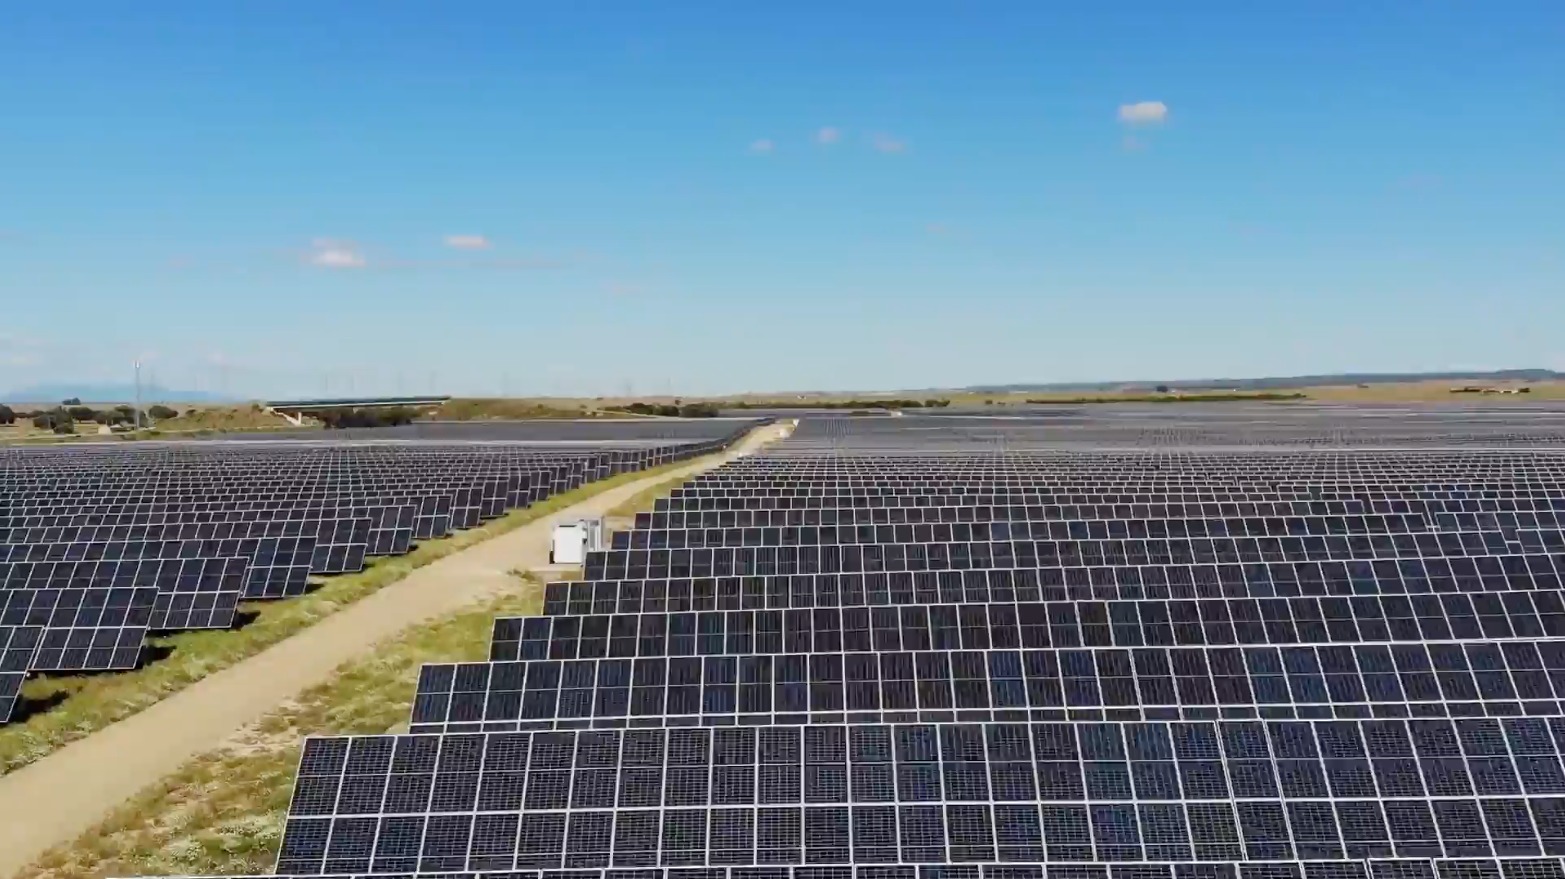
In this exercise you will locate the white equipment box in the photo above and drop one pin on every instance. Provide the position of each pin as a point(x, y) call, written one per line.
point(571, 541)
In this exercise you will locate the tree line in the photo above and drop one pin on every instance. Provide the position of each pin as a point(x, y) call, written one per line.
point(337, 419)
point(63, 418)
point(837, 404)
point(670, 410)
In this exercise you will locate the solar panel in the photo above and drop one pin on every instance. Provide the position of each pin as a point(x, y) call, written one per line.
point(95, 628)
point(1212, 621)
point(1491, 574)
point(852, 658)
point(1034, 554)
point(930, 793)
point(1453, 678)
point(18, 646)
point(197, 593)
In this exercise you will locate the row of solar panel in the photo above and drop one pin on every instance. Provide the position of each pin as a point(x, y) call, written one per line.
point(1434, 575)
point(1364, 868)
point(464, 507)
point(979, 498)
point(1428, 679)
point(674, 518)
point(1037, 625)
point(965, 793)
point(1096, 529)
point(891, 557)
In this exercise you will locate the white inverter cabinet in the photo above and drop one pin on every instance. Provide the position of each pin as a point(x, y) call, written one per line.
point(571, 541)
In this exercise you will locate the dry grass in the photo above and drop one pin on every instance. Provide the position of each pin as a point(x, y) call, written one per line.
point(223, 812)
point(88, 703)
point(246, 417)
point(642, 501)
point(494, 408)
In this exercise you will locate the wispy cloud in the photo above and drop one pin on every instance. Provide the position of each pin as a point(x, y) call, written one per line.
point(828, 135)
point(762, 147)
point(468, 242)
point(1143, 113)
point(331, 253)
point(885, 143)
point(1132, 144)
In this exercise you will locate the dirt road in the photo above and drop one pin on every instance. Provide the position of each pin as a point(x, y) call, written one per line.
point(65, 794)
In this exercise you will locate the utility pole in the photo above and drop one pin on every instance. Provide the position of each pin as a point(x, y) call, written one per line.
point(137, 366)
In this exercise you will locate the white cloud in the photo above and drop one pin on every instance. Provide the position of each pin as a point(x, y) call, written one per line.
point(468, 242)
point(333, 254)
point(12, 358)
point(624, 288)
point(762, 147)
point(885, 143)
point(1143, 113)
point(828, 136)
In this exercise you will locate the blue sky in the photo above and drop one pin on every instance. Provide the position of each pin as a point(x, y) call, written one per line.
point(584, 197)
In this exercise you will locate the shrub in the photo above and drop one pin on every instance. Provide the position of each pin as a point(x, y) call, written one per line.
point(161, 412)
point(7, 414)
point(81, 413)
point(344, 418)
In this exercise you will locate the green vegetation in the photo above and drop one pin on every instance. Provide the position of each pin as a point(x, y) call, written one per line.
point(88, 703)
point(340, 418)
point(222, 813)
point(642, 501)
point(7, 414)
point(1171, 398)
point(673, 410)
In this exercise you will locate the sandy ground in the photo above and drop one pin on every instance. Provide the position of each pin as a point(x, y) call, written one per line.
point(65, 794)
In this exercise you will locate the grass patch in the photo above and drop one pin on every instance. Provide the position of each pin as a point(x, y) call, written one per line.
point(642, 501)
point(88, 703)
point(484, 408)
point(222, 813)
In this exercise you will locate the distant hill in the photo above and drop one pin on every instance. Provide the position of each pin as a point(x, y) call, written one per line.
point(1285, 382)
point(107, 393)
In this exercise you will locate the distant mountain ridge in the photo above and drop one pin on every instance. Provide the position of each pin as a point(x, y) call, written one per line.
point(1283, 382)
point(107, 393)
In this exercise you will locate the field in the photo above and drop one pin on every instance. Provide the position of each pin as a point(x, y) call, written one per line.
point(202, 420)
point(786, 528)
